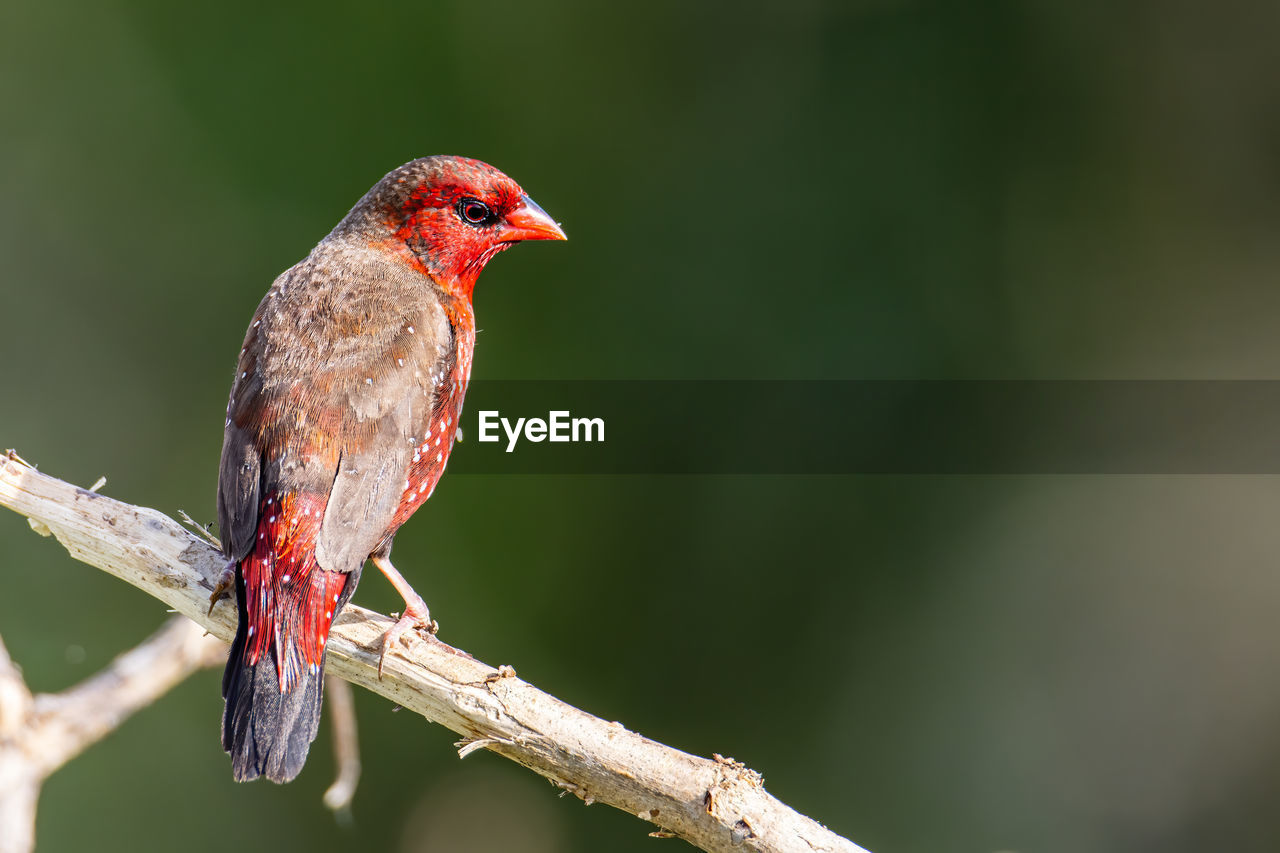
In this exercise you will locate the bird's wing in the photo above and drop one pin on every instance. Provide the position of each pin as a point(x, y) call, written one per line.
point(367, 487)
point(240, 470)
point(333, 411)
point(391, 395)
point(239, 486)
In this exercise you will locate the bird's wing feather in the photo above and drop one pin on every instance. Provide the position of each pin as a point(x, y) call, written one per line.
point(366, 492)
point(239, 485)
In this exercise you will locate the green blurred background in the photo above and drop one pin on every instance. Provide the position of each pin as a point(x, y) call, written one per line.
point(778, 190)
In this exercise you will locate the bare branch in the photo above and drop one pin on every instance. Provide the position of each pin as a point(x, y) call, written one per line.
point(15, 698)
point(39, 734)
point(715, 804)
point(63, 724)
point(21, 789)
point(19, 782)
point(346, 745)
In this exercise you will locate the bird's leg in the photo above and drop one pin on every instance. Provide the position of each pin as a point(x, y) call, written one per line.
point(416, 614)
point(226, 583)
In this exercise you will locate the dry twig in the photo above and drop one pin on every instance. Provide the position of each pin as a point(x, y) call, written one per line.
point(716, 804)
point(38, 734)
point(346, 745)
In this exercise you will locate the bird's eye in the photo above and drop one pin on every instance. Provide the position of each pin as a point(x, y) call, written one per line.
point(474, 212)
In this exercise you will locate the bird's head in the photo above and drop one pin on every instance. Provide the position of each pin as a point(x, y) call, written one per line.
point(449, 216)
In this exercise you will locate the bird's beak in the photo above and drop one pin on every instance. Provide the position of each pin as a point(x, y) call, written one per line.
point(530, 222)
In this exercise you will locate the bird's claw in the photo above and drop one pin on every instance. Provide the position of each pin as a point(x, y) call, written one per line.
point(412, 618)
point(226, 581)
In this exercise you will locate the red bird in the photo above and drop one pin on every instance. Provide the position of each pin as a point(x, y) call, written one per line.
point(343, 412)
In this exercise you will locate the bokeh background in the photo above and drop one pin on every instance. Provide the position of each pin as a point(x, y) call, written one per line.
point(1037, 190)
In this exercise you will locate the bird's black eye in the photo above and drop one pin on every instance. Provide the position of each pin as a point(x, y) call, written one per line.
point(474, 212)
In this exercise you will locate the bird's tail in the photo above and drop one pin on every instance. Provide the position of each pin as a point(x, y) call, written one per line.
point(268, 731)
point(274, 681)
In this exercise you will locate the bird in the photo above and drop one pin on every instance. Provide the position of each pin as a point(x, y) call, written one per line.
point(342, 415)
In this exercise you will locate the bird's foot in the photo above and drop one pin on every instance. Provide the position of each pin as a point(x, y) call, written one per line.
point(226, 582)
point(416, 616)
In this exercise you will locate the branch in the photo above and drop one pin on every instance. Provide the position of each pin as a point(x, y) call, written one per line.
point(715, 804)
point(64, 724)
point(346, 746)
point(38, 734)
point(17, 778)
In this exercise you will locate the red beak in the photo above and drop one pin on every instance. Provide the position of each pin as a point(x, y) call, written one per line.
point(530, 222)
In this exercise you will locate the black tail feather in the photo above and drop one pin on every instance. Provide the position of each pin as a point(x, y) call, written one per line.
point(266, 733)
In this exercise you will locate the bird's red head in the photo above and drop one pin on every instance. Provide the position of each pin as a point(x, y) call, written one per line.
point(450, 215)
